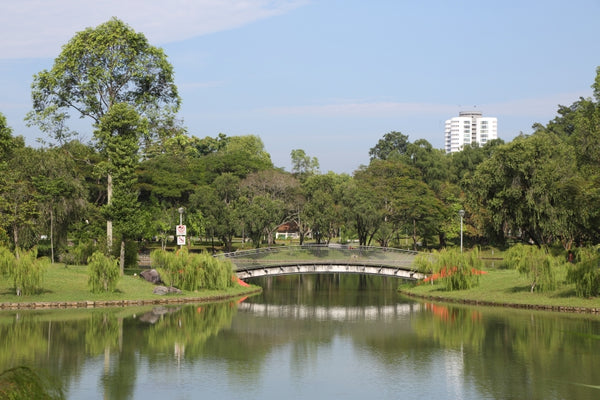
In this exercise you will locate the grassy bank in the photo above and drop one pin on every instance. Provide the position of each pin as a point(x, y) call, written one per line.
point(69, 284)
point(507, 288)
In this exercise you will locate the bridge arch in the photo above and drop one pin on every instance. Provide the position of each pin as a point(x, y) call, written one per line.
point(332, 258)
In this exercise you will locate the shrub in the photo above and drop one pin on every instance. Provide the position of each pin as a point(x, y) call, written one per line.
point(23, 383)
point(423, 263)
point(26, 271)
point(104, 273)
point(6, 261)
point(192, 271)
point(535, 262)
point(585, 274)
point(79, 254)
point(458, 270)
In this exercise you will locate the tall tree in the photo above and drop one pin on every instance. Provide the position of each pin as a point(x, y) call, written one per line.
point(393, 144)
point(270, 195)
point(119, 132)
point(97, 69)
point(527, 187)
point(303, 165)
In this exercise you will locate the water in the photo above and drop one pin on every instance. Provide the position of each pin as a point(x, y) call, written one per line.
point(317, 337)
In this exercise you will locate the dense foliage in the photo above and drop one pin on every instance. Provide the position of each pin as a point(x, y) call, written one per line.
point(103, 274)
point(24, 268)
point(192, 271)
point(142, 166)
point(536, 263)
point(454, 269)
point(585, 274)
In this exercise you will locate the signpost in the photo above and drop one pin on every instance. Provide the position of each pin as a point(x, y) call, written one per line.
point(180, 230)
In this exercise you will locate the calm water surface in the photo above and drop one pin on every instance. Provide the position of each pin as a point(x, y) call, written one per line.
point(318, 337)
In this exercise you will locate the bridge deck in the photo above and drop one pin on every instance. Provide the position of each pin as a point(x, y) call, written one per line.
point(286, 260)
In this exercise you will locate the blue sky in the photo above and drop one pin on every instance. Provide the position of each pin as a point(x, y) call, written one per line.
point(330, 76)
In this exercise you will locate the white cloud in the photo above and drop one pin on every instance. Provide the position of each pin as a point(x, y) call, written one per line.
point(38, 28)
point(363, 109)
point(532, 107)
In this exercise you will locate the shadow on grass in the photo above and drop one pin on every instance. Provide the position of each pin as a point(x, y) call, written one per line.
point(519, 289)
point(566, 293)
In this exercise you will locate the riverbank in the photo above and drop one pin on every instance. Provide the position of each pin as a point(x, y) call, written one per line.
point(507, 288)
point(66, 287)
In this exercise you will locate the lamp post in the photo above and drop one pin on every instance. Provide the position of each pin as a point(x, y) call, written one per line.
point(462, 214)
point(181, 209)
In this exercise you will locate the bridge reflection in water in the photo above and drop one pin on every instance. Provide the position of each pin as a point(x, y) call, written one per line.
point(322, 313)
point(332, 258)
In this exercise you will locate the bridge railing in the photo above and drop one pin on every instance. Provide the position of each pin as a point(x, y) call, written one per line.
point(315, 254)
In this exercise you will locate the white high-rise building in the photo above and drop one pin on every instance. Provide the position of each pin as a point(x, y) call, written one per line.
point(469, 127)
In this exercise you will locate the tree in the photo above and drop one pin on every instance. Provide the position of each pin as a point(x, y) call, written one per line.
point(239, 155)
point(303, 165)
point(97, 69)
point(527, 187)
point(19, 199)
point(393, 144)
point(118, 137)
point(103, 273)
point(7, 142)
point(61, 193)
point(361, 210)
point(26, 270)
point(403, 200)
point(536, 263)
point(321, 208)
point(270, 198)
point(218, 203)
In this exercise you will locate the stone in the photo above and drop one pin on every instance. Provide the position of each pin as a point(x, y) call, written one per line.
point(151, 275)
point(162, 290)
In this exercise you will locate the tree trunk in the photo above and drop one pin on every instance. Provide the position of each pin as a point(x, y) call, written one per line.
point(16, 239)
point(122, 257)
point(51, 236)
point(109, 227)
point(414, 234)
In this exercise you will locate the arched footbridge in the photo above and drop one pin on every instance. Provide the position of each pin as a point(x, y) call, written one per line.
point(332, 258)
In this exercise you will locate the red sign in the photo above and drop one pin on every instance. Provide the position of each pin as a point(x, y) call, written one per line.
point(181, 230)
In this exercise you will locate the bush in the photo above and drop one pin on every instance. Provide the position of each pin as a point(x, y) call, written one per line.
point(23, 383)
point(585, 274)
point(6, 261)
point(79, 254)
point(423, 263)
point(26, 271)
point(104, 273)
point(458, 270)
point(131, 254)
point(535, 262)
point(192, 271)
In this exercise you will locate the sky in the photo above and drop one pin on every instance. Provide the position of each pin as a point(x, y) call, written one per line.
point(330, 77)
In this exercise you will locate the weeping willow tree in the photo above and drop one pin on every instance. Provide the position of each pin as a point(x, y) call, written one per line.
point(190, 271)
point(26, 271)
point(103, 273)
point(536, 263)
point(585, 274)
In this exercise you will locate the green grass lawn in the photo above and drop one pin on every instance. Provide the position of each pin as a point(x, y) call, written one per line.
point(504, 287)
point(69, 284)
